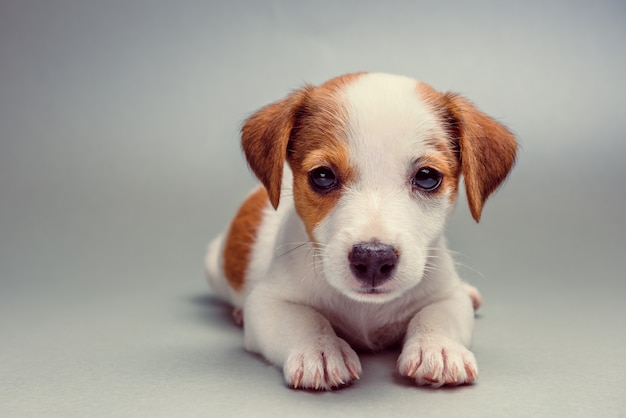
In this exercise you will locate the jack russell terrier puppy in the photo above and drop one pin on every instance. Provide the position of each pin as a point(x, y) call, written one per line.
point(342, 247)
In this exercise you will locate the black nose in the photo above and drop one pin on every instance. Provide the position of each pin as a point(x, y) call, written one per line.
point(373, 262)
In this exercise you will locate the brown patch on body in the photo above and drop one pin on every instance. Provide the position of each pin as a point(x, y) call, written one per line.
point(241, 237)
point(485, 148)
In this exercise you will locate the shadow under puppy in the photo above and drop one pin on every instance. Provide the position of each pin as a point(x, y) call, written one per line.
point(342, 246)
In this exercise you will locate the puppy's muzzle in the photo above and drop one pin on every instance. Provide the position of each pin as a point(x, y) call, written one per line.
point(372, 262)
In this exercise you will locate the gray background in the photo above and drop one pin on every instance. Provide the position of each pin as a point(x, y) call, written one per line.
point(119, 160)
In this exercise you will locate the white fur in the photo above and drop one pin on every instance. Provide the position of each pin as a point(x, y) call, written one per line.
point(388, 125)
point(304, 310)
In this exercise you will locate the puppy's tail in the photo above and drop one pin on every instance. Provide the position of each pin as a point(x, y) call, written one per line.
point(215, 275)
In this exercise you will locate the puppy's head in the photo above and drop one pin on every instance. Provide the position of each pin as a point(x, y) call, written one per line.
point(376, 162)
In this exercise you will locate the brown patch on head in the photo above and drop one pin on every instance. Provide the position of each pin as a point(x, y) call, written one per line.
point(241, 237)
point(445, 162)
point(266, 135)
point(313, 206)
point(485, 148)
point(318, 140)
point(446, 158)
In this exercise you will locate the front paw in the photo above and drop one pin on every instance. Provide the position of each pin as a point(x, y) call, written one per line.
point(436, 361)
point(325, 364)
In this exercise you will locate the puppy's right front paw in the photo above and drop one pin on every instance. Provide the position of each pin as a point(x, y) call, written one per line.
point(328, 363)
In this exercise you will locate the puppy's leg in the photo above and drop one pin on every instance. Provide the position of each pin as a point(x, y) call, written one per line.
point(474, 294)
point(435, 350)
point(301, 341)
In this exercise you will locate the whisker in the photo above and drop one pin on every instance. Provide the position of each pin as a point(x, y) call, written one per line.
point(465, 266)
point(293, 249)
point(296, 243)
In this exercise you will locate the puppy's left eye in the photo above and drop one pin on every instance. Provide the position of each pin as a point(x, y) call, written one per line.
point(427, 179)
point(322, 179)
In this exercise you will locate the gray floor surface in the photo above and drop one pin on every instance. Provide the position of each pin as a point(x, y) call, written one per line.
point(119, 161)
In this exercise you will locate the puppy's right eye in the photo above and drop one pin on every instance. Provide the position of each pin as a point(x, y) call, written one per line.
point(322, 179)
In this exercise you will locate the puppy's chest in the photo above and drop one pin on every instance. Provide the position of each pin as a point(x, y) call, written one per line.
point(372, 330)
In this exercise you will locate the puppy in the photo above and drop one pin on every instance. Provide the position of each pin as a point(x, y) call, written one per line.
point(342, 247)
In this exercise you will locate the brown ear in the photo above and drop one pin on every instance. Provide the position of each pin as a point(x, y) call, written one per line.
point(264, 139)
point(487, 150)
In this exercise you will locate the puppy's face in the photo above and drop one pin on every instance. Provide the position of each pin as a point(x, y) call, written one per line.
point(376, 161)
point(374, 180)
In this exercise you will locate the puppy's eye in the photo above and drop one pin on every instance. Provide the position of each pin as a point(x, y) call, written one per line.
point(427, 179)
point(322, 179)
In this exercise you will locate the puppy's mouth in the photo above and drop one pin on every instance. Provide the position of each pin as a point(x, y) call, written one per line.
point(369, 290)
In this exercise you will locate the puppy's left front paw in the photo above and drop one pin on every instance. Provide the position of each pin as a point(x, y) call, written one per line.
point(435, 360)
